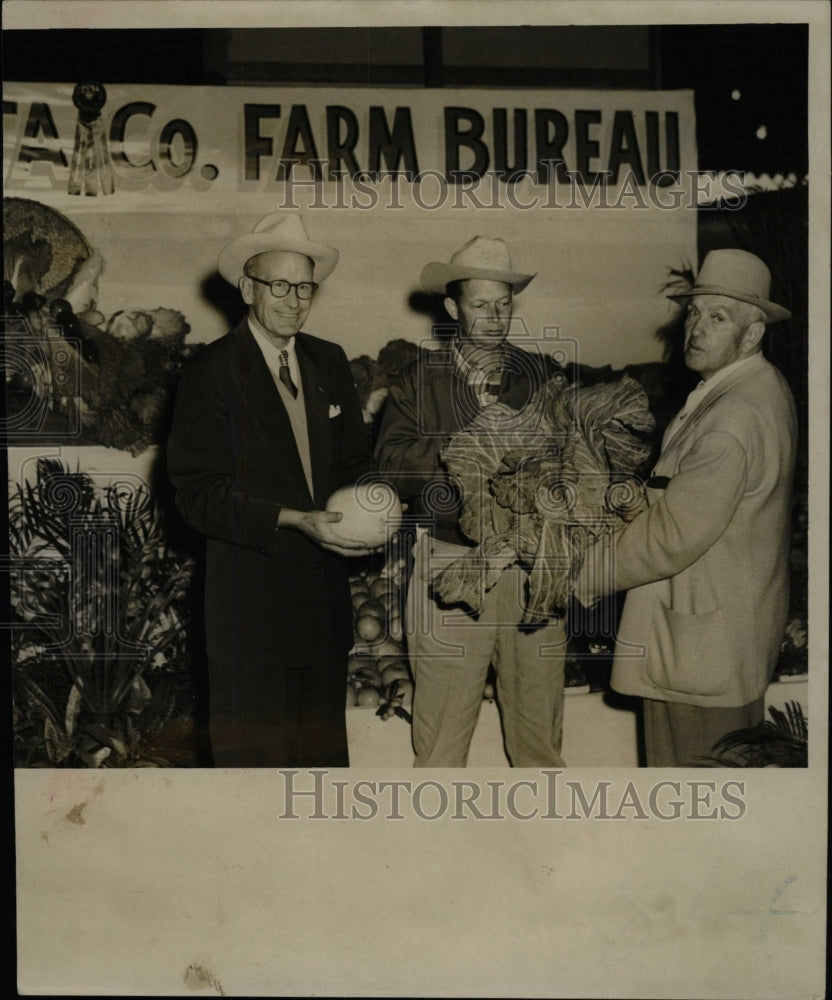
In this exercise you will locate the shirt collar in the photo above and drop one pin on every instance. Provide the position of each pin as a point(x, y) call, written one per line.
point(717, 378)
point(472, 373)
point(261, 335)
point(272, 353)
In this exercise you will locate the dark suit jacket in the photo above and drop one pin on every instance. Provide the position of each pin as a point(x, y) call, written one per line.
point(430, 404)
point(272, 596)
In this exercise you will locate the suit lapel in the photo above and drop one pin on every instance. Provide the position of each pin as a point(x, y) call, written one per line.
point(738, 375)
point(271, 422)
point(316, 400)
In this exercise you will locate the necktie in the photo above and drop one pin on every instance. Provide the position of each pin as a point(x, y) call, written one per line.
point(285, 375)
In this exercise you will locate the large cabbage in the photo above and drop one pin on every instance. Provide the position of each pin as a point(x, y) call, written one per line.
point(540, 483)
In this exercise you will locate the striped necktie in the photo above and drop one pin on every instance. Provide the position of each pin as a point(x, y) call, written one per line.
point(285, 375)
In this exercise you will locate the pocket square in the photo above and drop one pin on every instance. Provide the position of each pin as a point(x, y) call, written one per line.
point(334, 410)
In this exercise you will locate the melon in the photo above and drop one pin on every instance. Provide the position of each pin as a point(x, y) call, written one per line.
point(371, 512)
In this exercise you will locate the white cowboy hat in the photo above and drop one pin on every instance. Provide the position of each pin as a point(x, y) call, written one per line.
point(278, 231)
point(736, 274)
point(478, 258)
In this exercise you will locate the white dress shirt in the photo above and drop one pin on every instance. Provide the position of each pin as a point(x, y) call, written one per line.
point(272, 353)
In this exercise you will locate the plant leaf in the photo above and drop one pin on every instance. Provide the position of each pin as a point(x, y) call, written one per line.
point(73, 707)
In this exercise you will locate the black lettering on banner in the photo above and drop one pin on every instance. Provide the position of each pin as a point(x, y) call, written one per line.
point(298, 129)
point(256, 145)
point(184, 130)
point(624, 148)
point(470, 138)
point(504, 169)
point(651, 122)
point(392, 146)
point(118, 131)
point(41, 123)
point(551, 130)
point(585, 148)
point(341, 148)
point(671, 138)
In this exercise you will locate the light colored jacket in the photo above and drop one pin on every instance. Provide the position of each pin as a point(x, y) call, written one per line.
point(706, 566)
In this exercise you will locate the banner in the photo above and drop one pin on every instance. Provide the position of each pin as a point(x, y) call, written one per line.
point(594, 191)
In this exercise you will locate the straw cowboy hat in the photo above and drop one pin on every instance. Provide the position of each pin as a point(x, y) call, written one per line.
point(278, 231)
point(478, 258)
point(736, 274)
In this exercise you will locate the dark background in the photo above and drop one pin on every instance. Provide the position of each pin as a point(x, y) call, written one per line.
point(765, 63)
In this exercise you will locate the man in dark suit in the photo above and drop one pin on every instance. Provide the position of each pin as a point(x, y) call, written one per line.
point(267, 426)
point(450, 650)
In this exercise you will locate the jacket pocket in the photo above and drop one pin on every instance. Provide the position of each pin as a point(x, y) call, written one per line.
point(689, 653)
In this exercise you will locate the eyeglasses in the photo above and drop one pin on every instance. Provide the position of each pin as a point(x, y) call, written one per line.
point(280, 288)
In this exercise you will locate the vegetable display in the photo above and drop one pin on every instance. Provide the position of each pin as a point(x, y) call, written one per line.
point(103, 381)
point(378, 672)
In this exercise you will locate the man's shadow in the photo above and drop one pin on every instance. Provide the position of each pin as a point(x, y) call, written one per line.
point(430, 306)
point(223, 297)
point(184, 540)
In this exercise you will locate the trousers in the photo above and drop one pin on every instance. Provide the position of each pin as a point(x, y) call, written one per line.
point(270, 716)
point(450, 651)
point(676, 734)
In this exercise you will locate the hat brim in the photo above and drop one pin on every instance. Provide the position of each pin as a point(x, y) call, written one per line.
point(773, 313)
point(436, 276)
point(232, 260)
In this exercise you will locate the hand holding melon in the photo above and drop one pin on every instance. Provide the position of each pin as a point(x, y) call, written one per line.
point(320, 526)
point(370, 513)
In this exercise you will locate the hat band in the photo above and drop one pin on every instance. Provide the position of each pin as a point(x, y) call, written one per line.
point(731, 293)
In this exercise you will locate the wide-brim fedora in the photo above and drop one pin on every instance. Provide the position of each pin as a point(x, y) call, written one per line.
point(478, 258)
point(278, 231)
point(736, 274)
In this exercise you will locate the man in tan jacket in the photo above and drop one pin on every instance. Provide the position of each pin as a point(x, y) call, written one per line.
point(706, 565)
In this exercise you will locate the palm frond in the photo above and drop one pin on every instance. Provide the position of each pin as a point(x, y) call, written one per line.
point(782, 741)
